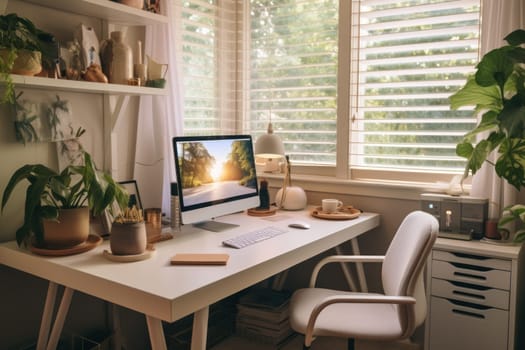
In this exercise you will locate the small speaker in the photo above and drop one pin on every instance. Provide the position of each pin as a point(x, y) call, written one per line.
point(460, 217)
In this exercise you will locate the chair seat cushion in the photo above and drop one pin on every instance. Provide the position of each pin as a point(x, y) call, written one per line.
point(348, 320)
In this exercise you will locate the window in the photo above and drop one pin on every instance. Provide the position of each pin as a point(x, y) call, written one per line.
point(358, 86)
point(207, 50)
point(410, 57)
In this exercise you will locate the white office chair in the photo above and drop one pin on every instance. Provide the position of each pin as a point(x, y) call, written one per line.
point(389, 316)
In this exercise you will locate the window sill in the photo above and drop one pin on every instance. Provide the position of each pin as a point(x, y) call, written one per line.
point(369, 188)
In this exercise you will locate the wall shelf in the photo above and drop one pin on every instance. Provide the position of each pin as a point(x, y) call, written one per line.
point(104, 9)
point(21, 81)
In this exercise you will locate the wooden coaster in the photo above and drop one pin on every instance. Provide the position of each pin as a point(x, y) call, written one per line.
point(261, 212)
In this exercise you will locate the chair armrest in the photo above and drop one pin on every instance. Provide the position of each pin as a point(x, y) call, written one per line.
point(341, 259)
point(357, 298)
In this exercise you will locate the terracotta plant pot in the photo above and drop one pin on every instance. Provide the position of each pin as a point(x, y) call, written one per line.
point(128, 239)
point(71, 229)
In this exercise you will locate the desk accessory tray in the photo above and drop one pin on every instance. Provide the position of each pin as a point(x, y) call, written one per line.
point(346, 212)
point(91, 242)
point(148, 253)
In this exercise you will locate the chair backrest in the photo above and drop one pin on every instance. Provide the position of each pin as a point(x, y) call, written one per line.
point(402, 271)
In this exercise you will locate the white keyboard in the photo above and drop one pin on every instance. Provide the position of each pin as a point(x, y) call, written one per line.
point(253, 237)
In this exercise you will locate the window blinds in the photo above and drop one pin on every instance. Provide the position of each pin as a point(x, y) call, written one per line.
point(208, 59)
point(411, 56)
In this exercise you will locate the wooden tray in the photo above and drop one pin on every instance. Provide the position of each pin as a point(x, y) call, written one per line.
point(148, 253)
point(346, 212)
point(261, 212)
point(90, 243)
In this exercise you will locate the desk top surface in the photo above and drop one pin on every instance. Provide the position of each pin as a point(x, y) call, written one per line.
point(157, 288)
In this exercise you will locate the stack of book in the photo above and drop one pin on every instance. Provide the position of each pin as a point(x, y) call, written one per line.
point(262, 315)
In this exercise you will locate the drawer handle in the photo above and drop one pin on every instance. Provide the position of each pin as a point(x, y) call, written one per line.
point(471, 256)
point(466, 313)
point(469, 285)
point(468, 275)
point(469, 304)
point(468, 295)
point(470, 267)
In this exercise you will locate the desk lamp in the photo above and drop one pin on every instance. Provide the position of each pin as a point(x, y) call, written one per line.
point(290, 197)
point(270, 148)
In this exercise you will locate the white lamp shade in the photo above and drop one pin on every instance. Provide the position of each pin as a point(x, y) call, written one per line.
point(269, 145)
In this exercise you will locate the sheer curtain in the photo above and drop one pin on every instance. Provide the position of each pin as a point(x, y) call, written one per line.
point(160, 118)
point(499, 18)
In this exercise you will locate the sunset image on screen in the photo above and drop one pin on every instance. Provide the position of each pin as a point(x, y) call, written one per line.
point(217, 169)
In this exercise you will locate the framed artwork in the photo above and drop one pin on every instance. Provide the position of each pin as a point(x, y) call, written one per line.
point(134, 197)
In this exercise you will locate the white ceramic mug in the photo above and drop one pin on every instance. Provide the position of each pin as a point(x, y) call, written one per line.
point(331, 205)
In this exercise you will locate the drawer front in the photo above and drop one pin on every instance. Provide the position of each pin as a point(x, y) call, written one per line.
point(460, 327)
point(482, 276)
point(470, 259)
point(485, 296)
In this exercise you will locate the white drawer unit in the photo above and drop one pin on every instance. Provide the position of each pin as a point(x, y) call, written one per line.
point(476, 294)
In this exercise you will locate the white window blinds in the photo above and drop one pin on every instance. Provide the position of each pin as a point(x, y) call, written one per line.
point(208, 58)
point(411, 56)
point(292, 75)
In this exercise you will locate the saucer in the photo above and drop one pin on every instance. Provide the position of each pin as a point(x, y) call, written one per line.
point(148, 253)
point(345, 212)
point(91, 242)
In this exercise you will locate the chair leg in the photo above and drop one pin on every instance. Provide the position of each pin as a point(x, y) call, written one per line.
point(351, 344)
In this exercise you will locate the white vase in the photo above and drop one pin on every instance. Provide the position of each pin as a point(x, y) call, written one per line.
point(117, 59)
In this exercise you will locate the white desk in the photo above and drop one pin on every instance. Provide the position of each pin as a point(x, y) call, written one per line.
point(164, 292)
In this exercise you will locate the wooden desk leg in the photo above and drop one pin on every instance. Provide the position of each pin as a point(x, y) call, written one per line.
point(47, 315)
point(200, 329)
point(359, 267)
point(60, 318)
point(156, 333)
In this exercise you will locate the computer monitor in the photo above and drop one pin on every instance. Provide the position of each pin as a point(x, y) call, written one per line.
point(216, 176)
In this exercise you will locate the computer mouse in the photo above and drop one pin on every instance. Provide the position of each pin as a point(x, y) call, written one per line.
point(300, 224)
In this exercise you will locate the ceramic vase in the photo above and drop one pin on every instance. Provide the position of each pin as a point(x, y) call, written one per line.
point(128, 238)
point(117, 59)
point(71, 228)
point(139, 4)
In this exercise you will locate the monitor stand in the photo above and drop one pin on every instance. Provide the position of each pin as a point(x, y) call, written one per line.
point(214, 226)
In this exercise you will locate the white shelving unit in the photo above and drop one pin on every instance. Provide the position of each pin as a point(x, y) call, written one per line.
point(476, 294)
point(109, 13)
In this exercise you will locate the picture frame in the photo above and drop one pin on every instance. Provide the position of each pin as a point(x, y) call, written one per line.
point(133, 190)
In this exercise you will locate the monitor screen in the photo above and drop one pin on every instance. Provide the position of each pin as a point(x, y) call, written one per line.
point(215, 175)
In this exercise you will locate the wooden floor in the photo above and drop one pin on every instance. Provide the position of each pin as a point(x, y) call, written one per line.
point(238, 343)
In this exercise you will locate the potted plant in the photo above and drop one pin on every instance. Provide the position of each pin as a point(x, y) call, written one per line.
point(52, 195)
point(128, 233)
point(497, 90)
point(23, 50)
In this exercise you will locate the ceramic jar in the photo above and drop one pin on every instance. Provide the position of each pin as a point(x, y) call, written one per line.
point(133, 3)
point(128, 238)
point(117, 59)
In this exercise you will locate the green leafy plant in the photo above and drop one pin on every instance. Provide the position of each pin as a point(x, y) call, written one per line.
point(19, 33)
point(73, 187)
point(510, 214)
point(497, 91)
